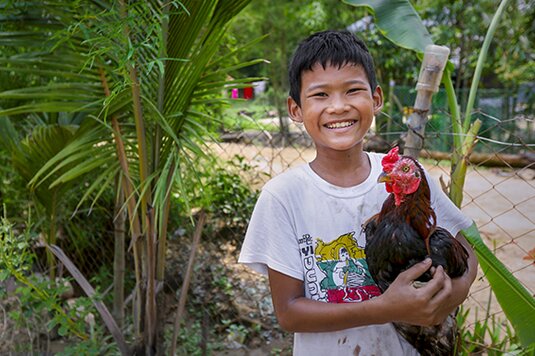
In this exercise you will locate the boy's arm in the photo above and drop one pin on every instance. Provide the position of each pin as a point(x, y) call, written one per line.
point(401, 302)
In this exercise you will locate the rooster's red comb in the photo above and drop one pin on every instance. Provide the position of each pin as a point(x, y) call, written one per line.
point(390, 159)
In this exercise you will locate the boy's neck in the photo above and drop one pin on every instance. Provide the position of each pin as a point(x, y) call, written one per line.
point(343, 169)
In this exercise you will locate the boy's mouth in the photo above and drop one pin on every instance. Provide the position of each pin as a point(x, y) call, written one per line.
point(340, 124)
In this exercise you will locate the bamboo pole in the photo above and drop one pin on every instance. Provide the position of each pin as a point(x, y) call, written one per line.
point(435, 58)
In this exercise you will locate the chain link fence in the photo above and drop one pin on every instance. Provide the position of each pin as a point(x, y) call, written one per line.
point(499, 193)
point(228, 308)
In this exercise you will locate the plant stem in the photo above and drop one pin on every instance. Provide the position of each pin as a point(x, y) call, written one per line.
point(187, 279)
point(454, 108)
point(118, 255)
point(52, 238)
point(164, 218)
point(128, 189)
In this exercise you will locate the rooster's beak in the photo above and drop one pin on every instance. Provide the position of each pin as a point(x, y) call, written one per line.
point(384, 178)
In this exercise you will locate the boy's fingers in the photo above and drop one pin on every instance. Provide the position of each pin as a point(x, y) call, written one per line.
point(417, 270)
point(445, 284)
point(436, 284)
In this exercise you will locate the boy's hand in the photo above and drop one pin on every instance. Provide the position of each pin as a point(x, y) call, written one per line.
point(427, 305)
point(431, 304)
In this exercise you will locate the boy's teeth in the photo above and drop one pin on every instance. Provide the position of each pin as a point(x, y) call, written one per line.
point(338, 125)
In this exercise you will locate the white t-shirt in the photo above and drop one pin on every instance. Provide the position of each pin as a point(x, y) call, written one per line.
point(311, 230)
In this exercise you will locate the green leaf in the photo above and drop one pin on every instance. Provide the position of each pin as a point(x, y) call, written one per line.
point(4, 274)
point(9, 138)
point(399, 22)
point(63, 330)
point(516, 302)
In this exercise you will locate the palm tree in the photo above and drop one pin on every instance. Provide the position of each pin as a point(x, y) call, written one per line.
point(29, 153)
point(144, 74)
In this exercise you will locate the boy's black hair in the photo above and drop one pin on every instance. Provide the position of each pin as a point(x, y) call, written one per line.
point(335, 48)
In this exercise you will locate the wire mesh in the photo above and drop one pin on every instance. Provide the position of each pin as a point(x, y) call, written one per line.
point(229, 309)
point(499, 189)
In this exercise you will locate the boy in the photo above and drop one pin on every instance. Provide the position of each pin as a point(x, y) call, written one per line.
point(305, 231)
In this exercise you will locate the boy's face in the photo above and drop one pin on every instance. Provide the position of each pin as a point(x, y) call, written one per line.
point(337, 106)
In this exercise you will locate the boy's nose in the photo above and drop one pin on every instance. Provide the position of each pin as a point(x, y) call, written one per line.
point(337, 106)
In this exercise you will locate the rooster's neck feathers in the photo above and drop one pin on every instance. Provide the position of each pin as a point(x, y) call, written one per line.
point(414, 208)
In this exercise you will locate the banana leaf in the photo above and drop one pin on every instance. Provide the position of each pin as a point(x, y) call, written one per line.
point(399, 22)
point(517, 304)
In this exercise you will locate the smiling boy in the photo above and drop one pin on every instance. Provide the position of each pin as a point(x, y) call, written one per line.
point(305, 231)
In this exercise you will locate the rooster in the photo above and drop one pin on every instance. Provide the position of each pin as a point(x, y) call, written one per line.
point(404, 233)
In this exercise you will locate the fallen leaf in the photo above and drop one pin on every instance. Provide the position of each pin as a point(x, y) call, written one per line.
point(530, 256)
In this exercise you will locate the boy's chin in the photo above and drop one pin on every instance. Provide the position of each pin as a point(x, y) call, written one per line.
point(342, 147)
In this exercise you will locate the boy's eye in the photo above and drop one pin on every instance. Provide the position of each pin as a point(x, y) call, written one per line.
point(321, 94)
point(354, 90)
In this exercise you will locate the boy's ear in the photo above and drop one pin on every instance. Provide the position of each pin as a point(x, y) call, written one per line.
point(294, 110)
point(377, 99)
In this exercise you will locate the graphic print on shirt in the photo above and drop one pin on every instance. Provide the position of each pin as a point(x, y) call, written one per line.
point(345, 272)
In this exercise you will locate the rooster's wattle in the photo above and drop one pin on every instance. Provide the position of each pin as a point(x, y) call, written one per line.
point(404, 233)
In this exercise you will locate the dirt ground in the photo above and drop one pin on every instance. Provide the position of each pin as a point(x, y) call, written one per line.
point(500, 201)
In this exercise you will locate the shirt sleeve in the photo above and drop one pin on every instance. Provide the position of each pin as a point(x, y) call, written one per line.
point(270, 240)
point(448, 214)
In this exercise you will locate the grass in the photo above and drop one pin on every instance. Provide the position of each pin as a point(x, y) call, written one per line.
point(489, 336)
point(248, 115)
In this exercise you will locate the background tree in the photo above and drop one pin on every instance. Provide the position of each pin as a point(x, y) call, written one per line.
point(459, 26)
point(456, 24)
point(145, 78)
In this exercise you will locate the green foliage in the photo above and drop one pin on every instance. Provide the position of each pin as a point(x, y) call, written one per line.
point(230, 197)
point(225, 190)
point(516, 302)
point(511, 60)
point(487, 335)
point(147, 81)
point(39, 296)
point(236, 333)
point(190, 339)
point(14, 195)
point(399, 22)
point(41, 304)
point(15, 253)
point(244, 115)
point(98, 344)
point(26, 156)
point(169, 50)
point(456, 24)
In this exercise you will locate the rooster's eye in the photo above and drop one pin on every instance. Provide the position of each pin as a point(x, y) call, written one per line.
point(405, 169)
